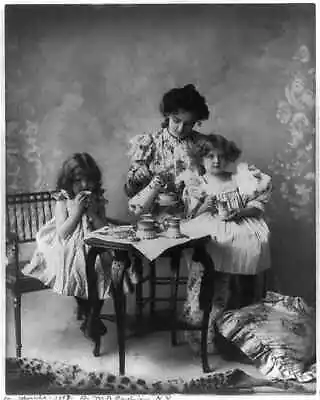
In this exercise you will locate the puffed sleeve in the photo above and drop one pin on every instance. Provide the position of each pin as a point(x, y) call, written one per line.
point(141, 153)
point(60, 195)
point(256, 186)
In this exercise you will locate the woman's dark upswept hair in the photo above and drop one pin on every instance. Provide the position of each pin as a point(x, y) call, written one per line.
point(81, 164)
point(186, 99)
point(211, 142)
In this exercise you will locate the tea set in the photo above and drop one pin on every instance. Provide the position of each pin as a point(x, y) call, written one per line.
point(147, 227)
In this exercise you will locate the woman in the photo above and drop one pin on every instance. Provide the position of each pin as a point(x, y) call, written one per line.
point(158, 158)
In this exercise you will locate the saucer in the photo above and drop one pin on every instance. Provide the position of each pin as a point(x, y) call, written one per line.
point(146, 235)
point(121, 232)
point(174, 236)
point(167, 203)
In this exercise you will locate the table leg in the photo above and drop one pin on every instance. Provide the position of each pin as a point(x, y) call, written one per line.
point(204, 338)
point(175, 274)
point(17, 320)
point(152, 288)
point(139, 289)
point(119, 264)
point(92, 319)
point(205, 300)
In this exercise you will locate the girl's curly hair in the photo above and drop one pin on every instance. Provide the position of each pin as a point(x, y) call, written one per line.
point(186, 98)
point(211, 142)
point(79, 165)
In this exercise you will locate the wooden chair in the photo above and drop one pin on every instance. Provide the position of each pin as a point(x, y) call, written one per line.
point(175, 280)
point(153, 281)
point(25, 214)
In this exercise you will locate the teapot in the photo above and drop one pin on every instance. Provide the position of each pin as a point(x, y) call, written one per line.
point(143, 201)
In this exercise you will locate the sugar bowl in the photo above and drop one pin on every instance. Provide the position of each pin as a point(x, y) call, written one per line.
point(146, 227)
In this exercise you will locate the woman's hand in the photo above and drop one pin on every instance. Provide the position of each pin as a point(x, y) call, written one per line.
point(142, 173)
point(157, 182)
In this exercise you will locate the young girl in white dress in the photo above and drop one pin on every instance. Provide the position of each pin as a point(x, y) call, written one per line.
point(60, 258)
point(229, 206)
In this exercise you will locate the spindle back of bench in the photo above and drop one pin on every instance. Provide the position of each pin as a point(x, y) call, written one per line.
point(27, 212)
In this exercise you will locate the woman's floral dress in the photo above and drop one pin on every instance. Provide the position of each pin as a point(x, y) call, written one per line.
point(239, 250)
point(159, 151)
point(61, 263)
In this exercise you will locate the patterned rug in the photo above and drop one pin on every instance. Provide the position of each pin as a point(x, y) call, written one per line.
point(26, 376)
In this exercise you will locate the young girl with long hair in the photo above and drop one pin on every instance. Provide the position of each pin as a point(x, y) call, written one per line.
point(60, 258)
point(229, 206)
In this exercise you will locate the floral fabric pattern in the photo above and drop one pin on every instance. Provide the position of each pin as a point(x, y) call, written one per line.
point(277, 334)
point(294, 167)
point(229, 291)
point(160, 153)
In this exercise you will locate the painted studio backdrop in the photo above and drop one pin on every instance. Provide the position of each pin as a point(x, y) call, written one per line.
point(88, 79)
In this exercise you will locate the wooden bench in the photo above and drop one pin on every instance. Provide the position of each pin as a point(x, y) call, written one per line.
point(25, 214)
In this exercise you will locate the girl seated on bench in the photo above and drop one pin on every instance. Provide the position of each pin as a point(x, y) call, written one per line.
point(60, 258)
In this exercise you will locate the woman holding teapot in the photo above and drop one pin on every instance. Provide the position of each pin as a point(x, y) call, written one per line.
point(158, 158)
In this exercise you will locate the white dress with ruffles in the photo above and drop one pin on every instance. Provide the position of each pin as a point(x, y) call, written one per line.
point(236, 247)
point(61, 263)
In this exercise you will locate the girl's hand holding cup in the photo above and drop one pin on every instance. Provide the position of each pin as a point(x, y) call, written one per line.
point(82, 201)
point(210, 203)
point(233, 215)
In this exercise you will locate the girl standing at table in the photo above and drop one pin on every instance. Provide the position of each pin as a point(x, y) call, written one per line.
point(229, 207)
point(60, 258)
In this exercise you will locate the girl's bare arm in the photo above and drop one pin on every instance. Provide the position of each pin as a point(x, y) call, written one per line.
point(66, 224)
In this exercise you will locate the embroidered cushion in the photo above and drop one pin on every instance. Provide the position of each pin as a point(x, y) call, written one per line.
point(277, 334)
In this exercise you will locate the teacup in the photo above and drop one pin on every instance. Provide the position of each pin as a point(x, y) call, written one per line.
point(222, 207)
point(173, 227)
